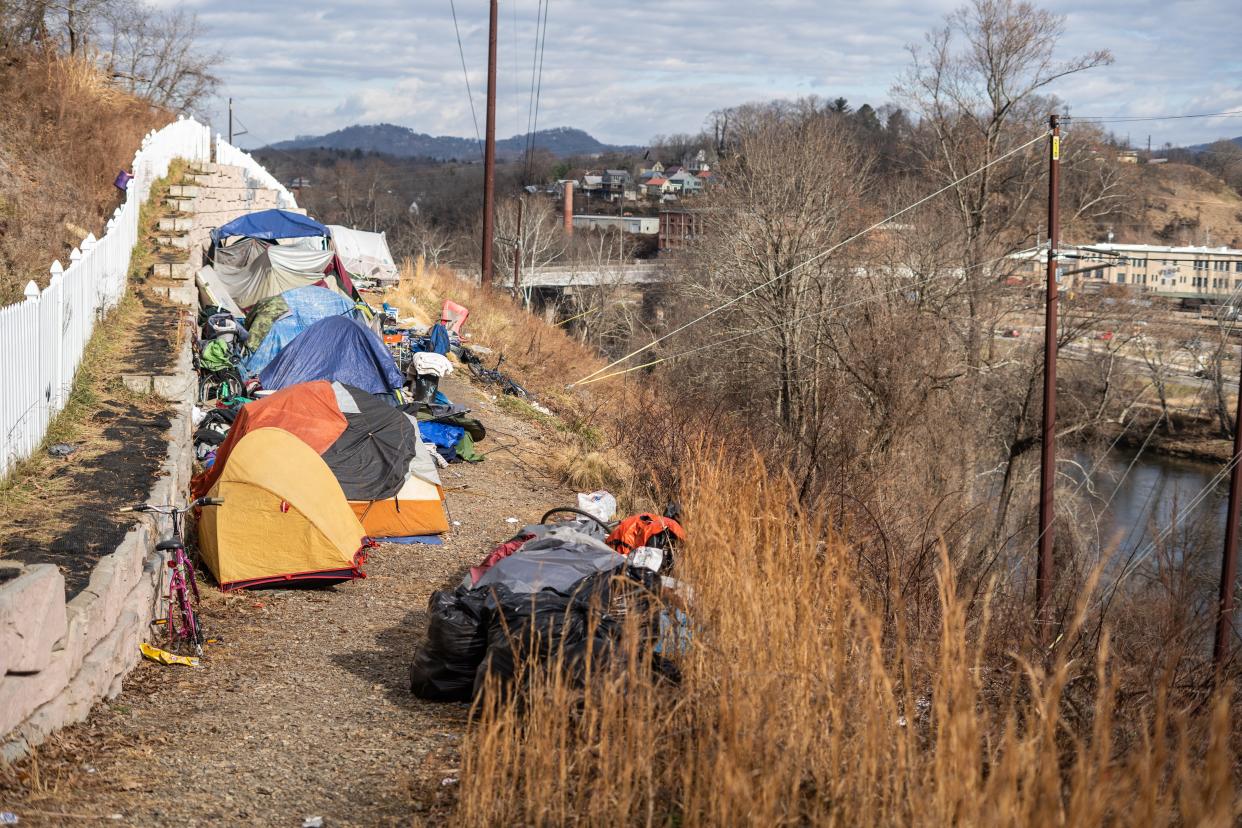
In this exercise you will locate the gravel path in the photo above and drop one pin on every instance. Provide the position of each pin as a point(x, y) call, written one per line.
point(303, 710)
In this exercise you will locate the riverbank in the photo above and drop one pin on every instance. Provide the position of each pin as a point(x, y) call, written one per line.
point(1191, 437)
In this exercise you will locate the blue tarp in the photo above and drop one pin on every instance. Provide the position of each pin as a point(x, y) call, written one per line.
point(270, 225)
point(335, 349)
point(441, 435)
point(307, 305)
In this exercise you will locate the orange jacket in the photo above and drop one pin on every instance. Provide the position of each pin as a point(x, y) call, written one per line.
point(637, 530)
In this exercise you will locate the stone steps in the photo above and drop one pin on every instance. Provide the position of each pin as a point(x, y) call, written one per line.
point(176, 224)
point(174, 270)
point(181, 242)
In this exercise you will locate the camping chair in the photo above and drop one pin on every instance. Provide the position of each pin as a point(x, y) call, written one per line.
point(453, 316)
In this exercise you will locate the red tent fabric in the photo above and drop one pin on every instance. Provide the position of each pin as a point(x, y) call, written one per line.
point(309, 411)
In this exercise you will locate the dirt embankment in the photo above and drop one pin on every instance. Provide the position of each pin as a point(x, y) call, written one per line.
point(65, 132)
point(1184, 205)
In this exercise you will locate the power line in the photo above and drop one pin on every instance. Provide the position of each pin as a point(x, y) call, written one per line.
point(530, 101)
point(1117, 119)
point(466, 75)
point(814, 258)
point(543, 43)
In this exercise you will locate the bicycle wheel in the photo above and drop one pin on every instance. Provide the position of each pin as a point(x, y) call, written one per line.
point(183, 626)
point(577, 513)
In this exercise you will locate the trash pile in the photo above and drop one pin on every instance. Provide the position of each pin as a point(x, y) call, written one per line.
point(557, 592)
point(319, 420)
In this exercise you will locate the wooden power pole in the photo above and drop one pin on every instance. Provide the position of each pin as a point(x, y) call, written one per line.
point(1229, 561)
point(489, 153)
point(1048, 459)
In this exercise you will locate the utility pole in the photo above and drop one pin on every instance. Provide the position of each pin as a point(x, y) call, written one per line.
point(517, 252)
point(1229, 561)
point(230, 121)
point(489, 153)
point(1048, 458)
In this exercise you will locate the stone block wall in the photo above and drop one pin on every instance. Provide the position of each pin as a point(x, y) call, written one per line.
point(58, 658)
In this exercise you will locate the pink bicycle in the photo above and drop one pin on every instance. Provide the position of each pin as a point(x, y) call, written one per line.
point(180, 622)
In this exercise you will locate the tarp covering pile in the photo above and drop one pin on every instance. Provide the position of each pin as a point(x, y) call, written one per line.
point(549, 594)
point(365, 255)
point(336, 349)
point(252, 271)
point(270, 225)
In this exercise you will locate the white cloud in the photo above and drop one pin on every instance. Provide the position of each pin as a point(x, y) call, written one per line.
point(626, 71)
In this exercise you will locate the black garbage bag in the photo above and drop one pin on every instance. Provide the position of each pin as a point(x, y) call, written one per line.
point(542, 629)
point(445, 664)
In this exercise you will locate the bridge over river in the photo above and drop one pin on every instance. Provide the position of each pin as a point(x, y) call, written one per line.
point(585, 275)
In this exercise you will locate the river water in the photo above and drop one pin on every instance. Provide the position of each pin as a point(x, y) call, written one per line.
point(1157, 496)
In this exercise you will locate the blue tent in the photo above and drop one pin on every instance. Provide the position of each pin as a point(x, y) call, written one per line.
point(307, 305)
point(270, 225)
point(337, 349)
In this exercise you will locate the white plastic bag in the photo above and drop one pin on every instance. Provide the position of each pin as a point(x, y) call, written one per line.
point(601, 504)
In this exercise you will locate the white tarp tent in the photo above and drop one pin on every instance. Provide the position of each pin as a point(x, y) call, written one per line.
point(251, 271)
point(365, 255)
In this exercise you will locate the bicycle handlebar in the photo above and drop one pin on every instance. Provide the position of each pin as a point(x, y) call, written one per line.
point(168, 510)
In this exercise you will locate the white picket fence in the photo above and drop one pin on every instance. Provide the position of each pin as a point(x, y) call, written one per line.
point(256, 175)
point(42, 338)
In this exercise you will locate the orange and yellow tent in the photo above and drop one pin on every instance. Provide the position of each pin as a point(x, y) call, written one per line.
point(284, 517)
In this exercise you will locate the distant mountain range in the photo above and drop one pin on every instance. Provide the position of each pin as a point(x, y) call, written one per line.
point(1201, 147)
point(403, 141)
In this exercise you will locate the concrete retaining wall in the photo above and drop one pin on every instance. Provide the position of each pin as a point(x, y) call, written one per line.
point(57, 657)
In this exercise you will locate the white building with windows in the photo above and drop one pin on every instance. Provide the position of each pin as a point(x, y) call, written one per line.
point(1208, 273)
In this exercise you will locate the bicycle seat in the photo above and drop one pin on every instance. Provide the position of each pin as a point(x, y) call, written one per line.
point(168, 545)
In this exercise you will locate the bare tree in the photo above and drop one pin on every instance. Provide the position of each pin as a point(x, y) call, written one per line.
point(1164, 350)
point(156, 55)
point(540, 242)
point(977, 85)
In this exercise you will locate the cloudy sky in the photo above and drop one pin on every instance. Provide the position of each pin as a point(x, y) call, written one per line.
point(625, 70)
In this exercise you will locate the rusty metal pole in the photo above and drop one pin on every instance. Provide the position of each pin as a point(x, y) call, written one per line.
point(517, 254)
point(1229, 561)
point(489, 153)
point(1048, 458)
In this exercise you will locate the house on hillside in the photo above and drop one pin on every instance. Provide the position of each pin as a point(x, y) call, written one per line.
point(591, 184)
point(698, 163)
point(656, 170)
point(686, 183)
point(615, 181)
point(655, 186)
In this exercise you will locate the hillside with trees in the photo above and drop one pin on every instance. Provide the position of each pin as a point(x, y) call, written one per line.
point(79, 87)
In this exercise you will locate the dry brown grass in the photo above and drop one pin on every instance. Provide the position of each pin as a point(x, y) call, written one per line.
point(796, 709)
point(798, 704)
point(65, 134)
point(536, 354)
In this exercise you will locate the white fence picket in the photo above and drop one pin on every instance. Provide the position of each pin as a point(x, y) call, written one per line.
point(43, 337)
